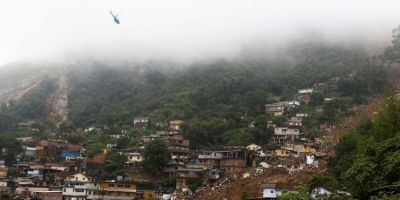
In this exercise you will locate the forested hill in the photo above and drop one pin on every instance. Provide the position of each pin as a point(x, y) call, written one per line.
point(217, 98)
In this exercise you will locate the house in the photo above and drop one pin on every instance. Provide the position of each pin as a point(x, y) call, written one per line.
point(175, 125)
point(148, 194)
point(81, 191)
point(306, 91)
point(295, 121)
point(273, 190)
point(253, 147)
point(209, 159)
point(147, 138)
point(69, 155)
point(121, 190)
point(275, 109)
point(29, 152)
point(228, 160)
point(284, 135)
point(171, 167)
point(134, 156)
point(47, 195)
point(278, 109)
point(301, 115)
point(178, 146)
point(77, 177)
point(270, 191)
point(133, 159)
point(72, 193)
point(301, 148)
point(183, 175)
point(89, 129)
point(283, 152)
point(140, 122)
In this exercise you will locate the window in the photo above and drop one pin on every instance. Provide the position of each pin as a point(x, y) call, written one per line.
point(120, 185)
point(127, 186)
point(110, 185)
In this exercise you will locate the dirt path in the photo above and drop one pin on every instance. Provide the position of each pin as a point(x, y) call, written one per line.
point(57, 103)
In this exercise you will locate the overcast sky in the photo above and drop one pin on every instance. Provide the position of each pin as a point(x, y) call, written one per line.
point(177, 29)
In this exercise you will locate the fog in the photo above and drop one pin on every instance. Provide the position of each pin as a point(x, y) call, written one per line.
point(180, 30)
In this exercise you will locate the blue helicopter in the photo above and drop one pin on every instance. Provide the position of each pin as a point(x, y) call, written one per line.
point(116, 19)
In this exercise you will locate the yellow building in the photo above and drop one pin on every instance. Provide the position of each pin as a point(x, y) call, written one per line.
point(118, 190)
point(282, 152)
point(300, 148)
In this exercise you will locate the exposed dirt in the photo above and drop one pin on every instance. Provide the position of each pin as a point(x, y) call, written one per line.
point(57, 103)
point(16, 90)
point(235, 187)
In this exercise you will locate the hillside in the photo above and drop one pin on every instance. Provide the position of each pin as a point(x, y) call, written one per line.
point(217, 99)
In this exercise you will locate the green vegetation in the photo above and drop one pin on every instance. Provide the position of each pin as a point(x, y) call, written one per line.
point(367, 160)
point(156, 156)
point(219, 99)
point(11, 146)
point(31, 106)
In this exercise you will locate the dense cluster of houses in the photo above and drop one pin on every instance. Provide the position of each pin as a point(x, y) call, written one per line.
point(55, 169)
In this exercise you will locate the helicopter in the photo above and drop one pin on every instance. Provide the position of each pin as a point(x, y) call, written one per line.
point(116, 19)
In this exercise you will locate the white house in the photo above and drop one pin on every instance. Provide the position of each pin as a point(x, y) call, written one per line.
point(253, 147)
point(270, 191)
point(295, 121)
point(134, 157)
point(306, 91)
point(78, 177)
point(80, 191)
point(301, 115)
point(286, 131)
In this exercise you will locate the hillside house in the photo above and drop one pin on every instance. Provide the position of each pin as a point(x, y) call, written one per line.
point(273, 190)
point(140, 122)
point(283, 135)
point(278, 109)
point(122, 190)
point(275, 109)
point(134, 156)
point(301, 148)
point(228, 160)
point(178, 146)
point(183, 175)
point(253, 147)
point(283, 152)
point(175, 125)
point(295, 121)
point(69, 155)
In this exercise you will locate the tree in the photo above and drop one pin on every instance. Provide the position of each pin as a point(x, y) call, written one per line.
point(303, 194)
point(392, 53)
point(156, 156)
point(12, 147)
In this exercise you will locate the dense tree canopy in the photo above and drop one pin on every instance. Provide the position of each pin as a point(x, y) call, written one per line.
point(368, 159)
point(156, 156)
